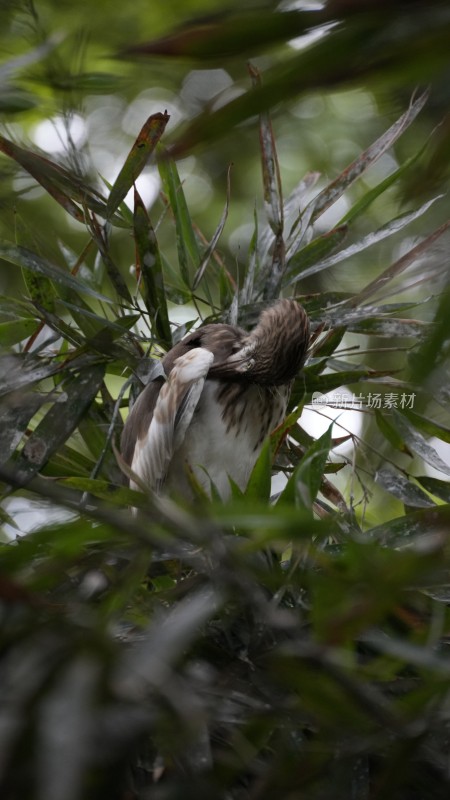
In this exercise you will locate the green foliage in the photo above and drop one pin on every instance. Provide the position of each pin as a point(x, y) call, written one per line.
point(283, 646)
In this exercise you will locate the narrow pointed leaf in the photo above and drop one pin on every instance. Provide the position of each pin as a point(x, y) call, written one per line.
point(16, 411)
point(391, 433)
point(231, 34)
point(258, 487)
point(28, 260)
point(16, 331)
point(337, 58)
point(336, 188)
point(399, 486)
point(68, 190)
point(60, 421)
point(101, 240)
point(118, 495)
point(308, 260)
point(187, 246)
point(437, 487)
point(417, 442)
point(149, 263)
point(399, 266)
point(213, 243)
point(144, 146)
point(429, 426)
point(389, 229)
point(304, 484)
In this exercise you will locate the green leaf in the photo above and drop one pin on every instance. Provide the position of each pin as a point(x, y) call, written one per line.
point(30, 261)
point(399, 486)
point(418, 443)
point(427, 425)
point(258, 487)
point(65, 188)
point(186, 240)
point(390, 432)
point(304, 484)
point(409, 527)
point(309, 257)
point(13, 332)
point(118, 495)
point(389, 229)
point(437, 487)
point(232, 34)
point(137, 158)
point(149, 263)
point(60, 421)
point(329, 62)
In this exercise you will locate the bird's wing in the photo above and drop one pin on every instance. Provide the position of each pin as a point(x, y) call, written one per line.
point(172, 415)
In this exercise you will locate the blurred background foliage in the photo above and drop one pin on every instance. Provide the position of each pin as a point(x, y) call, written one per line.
point(292, 643)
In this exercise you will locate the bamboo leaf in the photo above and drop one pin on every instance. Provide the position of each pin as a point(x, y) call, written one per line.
point(435, 486)
point(258, 487)
point(118, 495)
point(213, 243)
point(391, 433)
point(328, 196)
point(398, 485)
point(305, 482)
point(60, 421)
point(186, 240)
point(68, 190)
point(149, 263)
point(417, 442)
point(16, 331)
point(304, 257)
point(137, 158)
point(30, 261)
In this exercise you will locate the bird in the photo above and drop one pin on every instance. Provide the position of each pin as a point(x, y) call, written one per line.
point(217, 395)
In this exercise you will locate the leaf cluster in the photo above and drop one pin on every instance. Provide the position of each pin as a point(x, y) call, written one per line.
point(288, 645)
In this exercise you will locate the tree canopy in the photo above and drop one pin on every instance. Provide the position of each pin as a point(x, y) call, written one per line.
point(169, 164)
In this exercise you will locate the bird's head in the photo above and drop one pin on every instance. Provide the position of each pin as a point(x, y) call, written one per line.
point(275, 350)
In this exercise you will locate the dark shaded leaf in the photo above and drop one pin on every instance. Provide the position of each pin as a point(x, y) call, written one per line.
point(149, 263)
point(100, 238)
point(228, 35)
point(330, 62)
point(20, 370)
point(60, 421)
point(397, 484)
point(417, 524)
point(16, 411)
point(437, 487)
point(118, 495)
point(258, 487)
point(304, 484)
point(417, 442)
